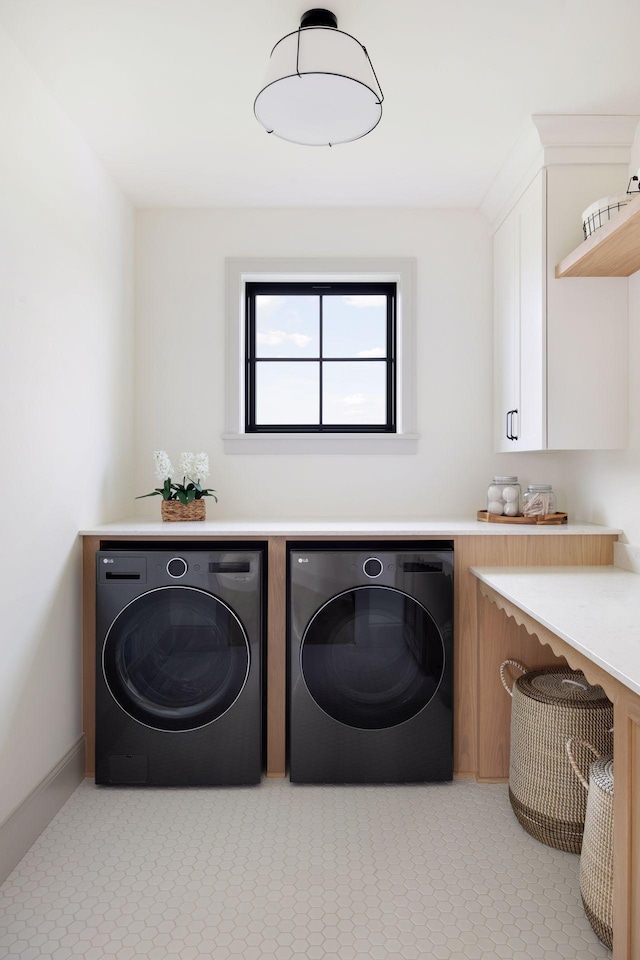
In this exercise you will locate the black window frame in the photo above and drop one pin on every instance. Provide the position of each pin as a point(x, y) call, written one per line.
point(319, 288)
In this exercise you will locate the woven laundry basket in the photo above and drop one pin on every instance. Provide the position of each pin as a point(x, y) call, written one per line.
point(550, 706)
point(596, 859)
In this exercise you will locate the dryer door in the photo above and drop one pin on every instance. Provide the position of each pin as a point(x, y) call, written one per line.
point(176, 658)
point(372, 657)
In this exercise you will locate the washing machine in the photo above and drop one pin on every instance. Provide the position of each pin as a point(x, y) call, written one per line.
point(179, 633)
point(370, 632)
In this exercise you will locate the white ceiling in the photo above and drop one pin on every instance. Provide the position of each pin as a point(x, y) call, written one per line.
point(163, 90)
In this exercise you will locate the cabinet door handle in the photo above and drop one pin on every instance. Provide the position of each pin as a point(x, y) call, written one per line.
point(509, 437)
point(514, 436)
point(510, 425)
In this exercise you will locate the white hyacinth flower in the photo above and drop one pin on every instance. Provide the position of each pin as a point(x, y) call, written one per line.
point(186, 465)
point(201, 467)
point(194, 466)
point(164, 470)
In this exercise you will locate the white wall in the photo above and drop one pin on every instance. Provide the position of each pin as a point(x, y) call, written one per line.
point(180, 363)
point(605, 485)
point(66, 254)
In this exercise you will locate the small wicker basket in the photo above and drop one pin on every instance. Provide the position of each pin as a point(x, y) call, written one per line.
point(602, 211)
point(549, 706)
point(596, 859)
point(173, 510)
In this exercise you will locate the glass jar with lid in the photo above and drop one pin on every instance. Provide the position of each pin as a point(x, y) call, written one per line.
point(503, 497)
point(539, 499)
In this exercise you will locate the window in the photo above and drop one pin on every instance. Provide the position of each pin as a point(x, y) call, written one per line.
point(374, 416)
point(320, 357)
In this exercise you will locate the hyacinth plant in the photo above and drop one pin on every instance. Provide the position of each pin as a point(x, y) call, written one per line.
point(194, 470)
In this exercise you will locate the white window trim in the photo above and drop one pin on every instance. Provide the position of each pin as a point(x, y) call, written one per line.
point(242, 270)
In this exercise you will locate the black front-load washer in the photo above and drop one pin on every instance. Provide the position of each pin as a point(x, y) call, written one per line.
point(178, 665)
point(370, 662)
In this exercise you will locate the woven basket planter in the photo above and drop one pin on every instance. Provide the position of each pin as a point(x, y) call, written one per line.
point(596, 859)
point(175, 511)
point(550, 706)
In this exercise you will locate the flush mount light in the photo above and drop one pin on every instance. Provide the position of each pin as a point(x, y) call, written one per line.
point(321, 88)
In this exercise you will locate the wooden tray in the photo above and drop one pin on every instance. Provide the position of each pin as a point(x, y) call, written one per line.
point(548, 518)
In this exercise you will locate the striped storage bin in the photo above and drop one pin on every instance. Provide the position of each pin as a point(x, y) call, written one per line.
point(550, 706)
point(596, 859)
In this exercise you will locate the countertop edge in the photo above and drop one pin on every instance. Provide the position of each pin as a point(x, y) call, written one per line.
point(493, 578)
point(292, 528)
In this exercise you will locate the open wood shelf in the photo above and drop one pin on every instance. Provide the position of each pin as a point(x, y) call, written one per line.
point(612, 251)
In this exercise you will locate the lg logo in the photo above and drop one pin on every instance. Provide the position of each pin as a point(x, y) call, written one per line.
point(303, 559)
point(107, 560)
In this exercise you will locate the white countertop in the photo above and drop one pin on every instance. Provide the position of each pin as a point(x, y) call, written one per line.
point(595, 609)
point(338, 528)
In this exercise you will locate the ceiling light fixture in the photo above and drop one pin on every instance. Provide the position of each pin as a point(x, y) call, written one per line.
point(321, 88)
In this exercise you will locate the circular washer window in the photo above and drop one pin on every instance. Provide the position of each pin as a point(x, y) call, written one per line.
point(372, 657)
point(176, 658)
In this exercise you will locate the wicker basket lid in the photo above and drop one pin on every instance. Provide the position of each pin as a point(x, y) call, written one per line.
point(601, 773)
point(562, 687)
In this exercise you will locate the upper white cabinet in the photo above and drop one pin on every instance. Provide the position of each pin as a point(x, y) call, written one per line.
point(519, 334)
point(560, 345)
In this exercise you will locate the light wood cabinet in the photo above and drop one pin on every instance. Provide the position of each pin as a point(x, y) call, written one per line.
point(560, 346)
point(471, 680)
point(506, 630)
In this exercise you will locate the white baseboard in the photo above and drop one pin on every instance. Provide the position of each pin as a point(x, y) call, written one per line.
point(627, 556)
point(24, 825)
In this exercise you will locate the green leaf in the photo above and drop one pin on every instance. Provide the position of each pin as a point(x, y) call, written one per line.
point(191, 495)
point(156, 493)
point(182, 497)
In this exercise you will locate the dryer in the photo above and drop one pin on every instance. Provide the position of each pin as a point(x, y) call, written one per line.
point(178, 664)
point(370, 662)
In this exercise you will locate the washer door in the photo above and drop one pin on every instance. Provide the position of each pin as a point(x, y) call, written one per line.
point(176, 658)
point(372, 657)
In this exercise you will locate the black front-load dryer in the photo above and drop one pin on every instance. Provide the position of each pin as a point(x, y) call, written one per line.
point(178, 666)
point(370, 663)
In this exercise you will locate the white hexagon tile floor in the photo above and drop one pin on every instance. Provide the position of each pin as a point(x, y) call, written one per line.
point(438, 871)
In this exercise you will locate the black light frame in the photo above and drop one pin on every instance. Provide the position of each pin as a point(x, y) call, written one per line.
point(319, 18)
point(320, 289)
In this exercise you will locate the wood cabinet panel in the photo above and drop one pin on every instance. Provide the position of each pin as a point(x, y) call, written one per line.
point(626, 720)
point(490, 550)
point(502, 639)
point(468, 682)
point(90, 546)
point(626, 835)
point(276, 658)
